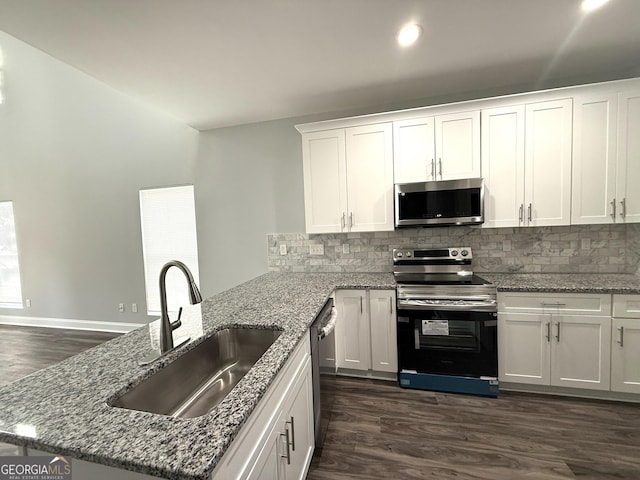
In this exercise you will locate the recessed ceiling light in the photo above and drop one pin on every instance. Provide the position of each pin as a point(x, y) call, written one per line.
point(409, 34)
point(590, 5)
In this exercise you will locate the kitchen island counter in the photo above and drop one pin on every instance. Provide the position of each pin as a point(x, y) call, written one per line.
point(62, 409)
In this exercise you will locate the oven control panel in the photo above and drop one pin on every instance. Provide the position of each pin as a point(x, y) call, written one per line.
point(452, 254)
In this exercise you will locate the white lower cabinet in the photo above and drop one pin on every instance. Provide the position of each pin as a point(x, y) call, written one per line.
point(625, 345)
point(286, 453)
point(555, 340)
point(366, 330)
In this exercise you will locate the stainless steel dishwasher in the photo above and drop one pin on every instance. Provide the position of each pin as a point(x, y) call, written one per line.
point(323, 366)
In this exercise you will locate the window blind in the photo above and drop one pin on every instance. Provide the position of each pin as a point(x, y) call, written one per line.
point(168, 221)
point(10, 286)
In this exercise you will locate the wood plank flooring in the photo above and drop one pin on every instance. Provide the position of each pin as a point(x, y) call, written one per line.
point(24, 350)
point(380, 431)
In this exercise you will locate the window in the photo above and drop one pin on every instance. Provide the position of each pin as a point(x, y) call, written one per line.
point(10, 288)
point(168, 221)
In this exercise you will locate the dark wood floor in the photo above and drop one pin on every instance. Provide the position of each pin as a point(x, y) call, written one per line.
point(24, 350)
point(380, 431)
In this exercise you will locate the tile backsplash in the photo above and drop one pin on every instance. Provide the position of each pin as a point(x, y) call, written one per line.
point(567, 249)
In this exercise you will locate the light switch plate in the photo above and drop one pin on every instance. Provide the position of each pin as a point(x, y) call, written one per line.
point(316, 249)
point(345, 248)
point(283, 249)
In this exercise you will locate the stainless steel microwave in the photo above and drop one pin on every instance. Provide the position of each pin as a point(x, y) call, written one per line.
point(445, 202)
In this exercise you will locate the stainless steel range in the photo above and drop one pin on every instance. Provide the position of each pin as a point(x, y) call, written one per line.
point(447, 322)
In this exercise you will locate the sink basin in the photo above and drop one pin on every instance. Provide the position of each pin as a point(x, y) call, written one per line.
point(201, 378)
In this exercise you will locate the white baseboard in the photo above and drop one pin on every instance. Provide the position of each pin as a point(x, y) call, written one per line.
point(115, 327)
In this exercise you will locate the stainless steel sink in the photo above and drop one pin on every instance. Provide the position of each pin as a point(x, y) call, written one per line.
point(201, 378)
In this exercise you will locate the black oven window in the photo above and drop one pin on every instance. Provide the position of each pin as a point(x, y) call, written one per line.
point(445, 334)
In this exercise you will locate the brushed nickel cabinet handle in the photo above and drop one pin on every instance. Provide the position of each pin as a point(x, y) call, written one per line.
point(558, 334)
point(621, 341)
point(623, 207)
point(343, 220)
point(613, 209)
point(548, 335)
point(529, 208)
point(440, 167)
point(288, 455)
point(433, 169)
point(293, 434)
point(350, 220)
point(361, 311)
point(553, 304)
point(521, 213)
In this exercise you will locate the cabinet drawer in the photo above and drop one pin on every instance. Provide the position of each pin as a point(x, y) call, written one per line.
point(626, 306)
point(565, 303)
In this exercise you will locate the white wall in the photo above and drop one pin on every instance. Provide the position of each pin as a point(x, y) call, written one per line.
point(73, 155)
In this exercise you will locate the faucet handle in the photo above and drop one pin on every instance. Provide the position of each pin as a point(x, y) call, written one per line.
point(177, 323)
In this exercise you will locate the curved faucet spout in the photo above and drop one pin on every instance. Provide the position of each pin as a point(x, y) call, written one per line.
point(166, 327)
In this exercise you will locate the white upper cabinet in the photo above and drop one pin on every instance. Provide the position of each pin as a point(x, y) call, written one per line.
point(444, 147)
point(526, 156)
point(628, 166)
point(325, 181)
point(369, 178)
point(348, 179)
point(414, 150)
point(594, 158)
point(547, 188)
point(458, 145)
point(503, 166)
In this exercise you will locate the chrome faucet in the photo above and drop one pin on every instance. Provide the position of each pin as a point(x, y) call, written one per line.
point(166, 326)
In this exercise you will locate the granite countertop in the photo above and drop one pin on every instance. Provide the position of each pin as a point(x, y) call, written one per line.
point(565, 282)
point(62, 409)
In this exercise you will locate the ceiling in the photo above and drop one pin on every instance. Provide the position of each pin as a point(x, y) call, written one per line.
point(214, 63)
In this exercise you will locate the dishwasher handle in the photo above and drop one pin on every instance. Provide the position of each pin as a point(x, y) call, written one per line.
point(328, 327)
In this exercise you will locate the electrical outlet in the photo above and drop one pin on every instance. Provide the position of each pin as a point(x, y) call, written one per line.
point(134, 307)
point(345, 248)
point(27, 301)
point(121, 307)
point(283, 249)
point(316, 249)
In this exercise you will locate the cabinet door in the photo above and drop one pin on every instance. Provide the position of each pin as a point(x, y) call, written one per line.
point(298, 420)
point(353, 340)
point(594, 159)
point(625, 355)
point(581, 351)
point(458, 145)
point(325, 182)
point(369, 153)
point(384, 347)
point(628, 177)
point(270, 464)
point(414, 150)
point(503, 166)
point(524, 348)
point(548, 163)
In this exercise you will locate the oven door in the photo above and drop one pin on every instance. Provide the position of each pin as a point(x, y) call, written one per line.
point(448, 342)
